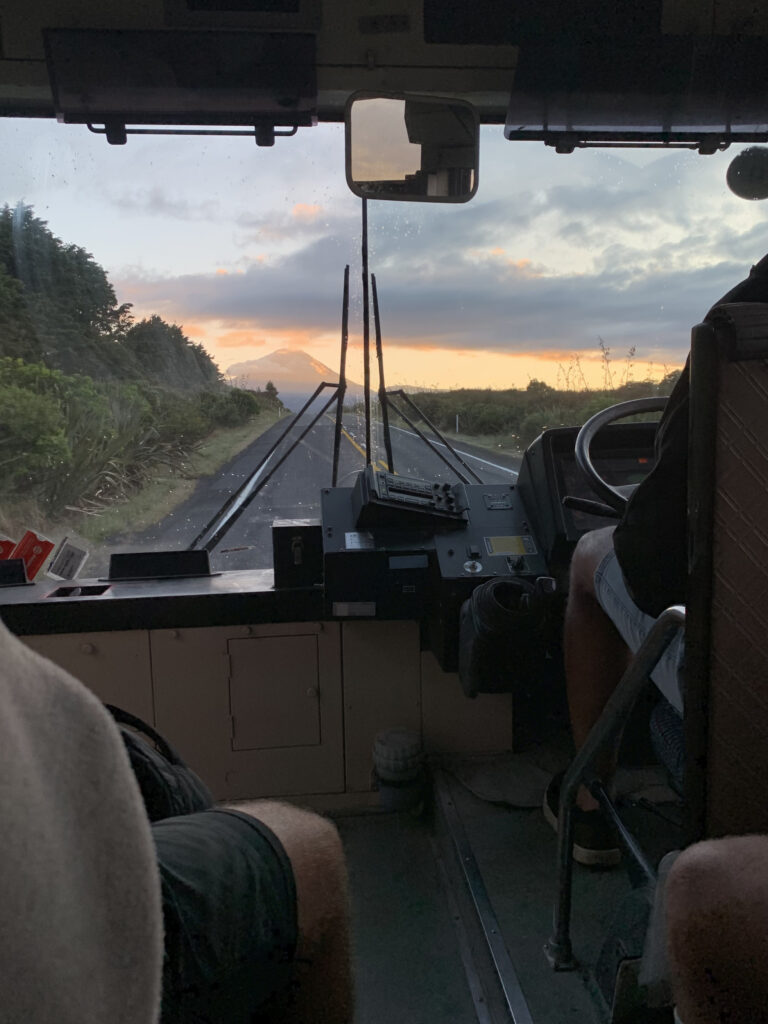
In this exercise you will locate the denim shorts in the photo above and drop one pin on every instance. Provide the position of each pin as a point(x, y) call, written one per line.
point(634, 626)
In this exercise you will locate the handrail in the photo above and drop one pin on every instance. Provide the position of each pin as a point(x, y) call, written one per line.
point(558, 949)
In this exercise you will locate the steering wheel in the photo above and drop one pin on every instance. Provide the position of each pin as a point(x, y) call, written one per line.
point(616, 497)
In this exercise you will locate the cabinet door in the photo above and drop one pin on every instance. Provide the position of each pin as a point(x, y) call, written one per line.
point(274, 692)
point(255, 710)
point(115, 666)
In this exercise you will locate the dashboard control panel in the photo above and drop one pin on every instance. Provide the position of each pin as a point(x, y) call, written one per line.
point(387, 559)
point(386, 499)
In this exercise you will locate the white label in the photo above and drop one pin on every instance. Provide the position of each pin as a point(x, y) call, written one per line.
point(67, 562)
point(358, 541)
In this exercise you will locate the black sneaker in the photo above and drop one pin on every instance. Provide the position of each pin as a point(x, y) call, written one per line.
point(594, 841)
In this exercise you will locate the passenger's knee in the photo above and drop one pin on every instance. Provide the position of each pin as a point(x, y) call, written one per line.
point(309, 839)
point(697, 875)
point(717, 890)
point(716, 871)
point(717, 909)
point(313, 847)
point(322, 988)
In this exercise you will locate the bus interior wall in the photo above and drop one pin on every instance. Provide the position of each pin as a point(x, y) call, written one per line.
point(274, 684)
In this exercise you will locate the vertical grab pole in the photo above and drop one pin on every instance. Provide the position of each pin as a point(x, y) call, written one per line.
point(382, 388)
point(366, 339)
point(342, 376)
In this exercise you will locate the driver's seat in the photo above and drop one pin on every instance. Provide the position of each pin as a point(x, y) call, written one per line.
point(726, 625)
point(726, 651)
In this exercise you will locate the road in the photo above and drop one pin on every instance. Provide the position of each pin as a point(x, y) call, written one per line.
point(292, 488)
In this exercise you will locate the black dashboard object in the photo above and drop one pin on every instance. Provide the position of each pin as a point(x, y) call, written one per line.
point(144, 565)
point(297, 553)
point(384, 499)
point(411, 566)
point(13, 573)
point(501, 636)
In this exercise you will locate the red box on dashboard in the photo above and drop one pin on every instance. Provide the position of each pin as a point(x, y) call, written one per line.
point(6, 547)
point(33, 549)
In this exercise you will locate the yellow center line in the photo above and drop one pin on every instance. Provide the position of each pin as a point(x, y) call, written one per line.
point(353, 442)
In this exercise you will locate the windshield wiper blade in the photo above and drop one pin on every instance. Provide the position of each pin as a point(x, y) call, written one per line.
point(217, 527)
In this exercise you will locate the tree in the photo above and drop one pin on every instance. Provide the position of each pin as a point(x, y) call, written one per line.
point(163, 353)
point(538, 389)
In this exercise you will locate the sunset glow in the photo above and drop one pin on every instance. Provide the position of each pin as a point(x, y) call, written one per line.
point(584, 270)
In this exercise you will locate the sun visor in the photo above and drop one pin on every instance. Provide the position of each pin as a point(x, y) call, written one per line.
point(182, 77)
point(689, 91)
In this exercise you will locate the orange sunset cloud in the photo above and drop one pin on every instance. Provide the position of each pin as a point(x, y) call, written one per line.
point(194, 331)
point(306, 211)
point(239, 339)
point(525, 267)
point(272, 338)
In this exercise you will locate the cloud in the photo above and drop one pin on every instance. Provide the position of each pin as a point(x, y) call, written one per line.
point(193, 330)
point(156, 202)
point(492, 307)
point(288, 337)
point(551, 270)
point(301, 224)
point(244, 338)
point(306, 212)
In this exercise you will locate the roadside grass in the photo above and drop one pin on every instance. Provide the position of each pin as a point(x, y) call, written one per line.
point(163, 493)
point(20, 515)
point(149, 505)
point(507, 443)
point(223, 444)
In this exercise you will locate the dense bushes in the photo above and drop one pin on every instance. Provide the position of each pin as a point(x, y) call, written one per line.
point(230, 408)
point(523, 414)
point(32, 437)
point(92, 402)
point(69, 440)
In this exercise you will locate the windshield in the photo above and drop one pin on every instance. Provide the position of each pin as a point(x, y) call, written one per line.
point(167, 307)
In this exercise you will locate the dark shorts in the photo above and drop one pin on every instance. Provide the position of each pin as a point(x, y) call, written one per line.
point(229, 911)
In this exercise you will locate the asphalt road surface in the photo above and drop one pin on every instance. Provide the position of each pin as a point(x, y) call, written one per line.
point(292, 487)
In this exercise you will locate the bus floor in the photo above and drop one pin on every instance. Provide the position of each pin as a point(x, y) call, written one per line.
point(419, 952)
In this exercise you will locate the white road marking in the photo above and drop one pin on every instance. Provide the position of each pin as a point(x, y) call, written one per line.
point(468, 455)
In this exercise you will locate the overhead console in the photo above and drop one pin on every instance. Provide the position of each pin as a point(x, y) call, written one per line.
point(622, 454)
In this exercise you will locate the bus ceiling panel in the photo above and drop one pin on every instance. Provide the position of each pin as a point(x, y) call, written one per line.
point(481, 26)
point(356, 48)
point(24, 22)
point(473, 49)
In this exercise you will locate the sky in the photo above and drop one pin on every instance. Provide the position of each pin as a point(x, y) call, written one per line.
point(556, 259)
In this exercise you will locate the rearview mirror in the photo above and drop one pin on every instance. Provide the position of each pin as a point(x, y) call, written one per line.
point(416, 148)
